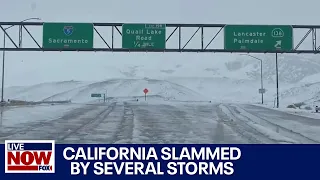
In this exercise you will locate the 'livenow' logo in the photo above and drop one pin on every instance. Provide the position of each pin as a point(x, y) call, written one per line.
point(29, 156)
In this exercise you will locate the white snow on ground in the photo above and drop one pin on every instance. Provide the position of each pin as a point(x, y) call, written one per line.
point(230, 90)
point(192, 89)
point(216, 77)
point(158, 120)
point(41, 91)
point(130, 122)
point(180, 122)
point(309, 128)
point(301, 112)
point(315, 78)
point(12, 116)
point(262, 129)
point(308, 93)
point(115, 88)
point(175, 92)
point(297, 112)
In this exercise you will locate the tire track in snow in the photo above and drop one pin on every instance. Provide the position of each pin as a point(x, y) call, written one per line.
point(261, 131)
point(58, 128)
point(87, 126)
point(24, 128)
point(124, 130)
point(104, 131)
point(205, 117)
point(252, 135)
point(179, 124)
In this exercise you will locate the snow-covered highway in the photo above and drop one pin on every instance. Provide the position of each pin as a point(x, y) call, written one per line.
point(155, 122)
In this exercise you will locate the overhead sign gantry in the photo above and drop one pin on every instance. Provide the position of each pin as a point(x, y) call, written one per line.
point(146, 37)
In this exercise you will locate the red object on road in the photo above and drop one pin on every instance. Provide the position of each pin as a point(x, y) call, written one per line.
point(145, 90)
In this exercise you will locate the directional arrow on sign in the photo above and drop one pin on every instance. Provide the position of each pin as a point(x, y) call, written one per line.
point(278, 44)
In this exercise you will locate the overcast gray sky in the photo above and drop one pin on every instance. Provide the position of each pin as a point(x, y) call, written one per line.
point(34, 67)
point(163, 11)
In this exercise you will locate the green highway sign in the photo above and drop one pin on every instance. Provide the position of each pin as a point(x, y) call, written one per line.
point(67, 35)
point(258, 37)
point(144, 36)
point(96, 95)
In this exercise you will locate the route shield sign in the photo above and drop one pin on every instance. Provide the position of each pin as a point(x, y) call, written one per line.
point(67, 35)
point(258, 37)
point(144, 36)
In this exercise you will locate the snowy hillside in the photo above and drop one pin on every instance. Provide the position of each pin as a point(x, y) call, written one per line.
point(222, 77)
point(181, 89)
point(292, 68)
point(216, 76)
point(65, 67)
point(40, 91)
point(230, 90)
point(120, 88)
point(311, 79)
point(307, 93)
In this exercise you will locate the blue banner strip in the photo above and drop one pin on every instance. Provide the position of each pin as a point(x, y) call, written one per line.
point(270, 162)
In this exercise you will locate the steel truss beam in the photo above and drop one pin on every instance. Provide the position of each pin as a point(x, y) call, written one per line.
point(111, 41)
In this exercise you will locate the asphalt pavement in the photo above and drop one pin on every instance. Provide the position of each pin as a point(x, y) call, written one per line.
point(152, 123)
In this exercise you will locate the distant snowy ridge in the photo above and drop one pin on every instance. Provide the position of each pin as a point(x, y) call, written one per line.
point(81, 91)
point(308, 93)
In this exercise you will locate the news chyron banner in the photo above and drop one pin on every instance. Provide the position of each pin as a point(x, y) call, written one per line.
point(43, 159)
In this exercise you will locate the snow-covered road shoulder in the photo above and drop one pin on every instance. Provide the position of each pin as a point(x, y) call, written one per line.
point(297, 112)
point(303, 129)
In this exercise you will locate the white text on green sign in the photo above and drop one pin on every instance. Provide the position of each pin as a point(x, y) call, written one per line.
point(258, 37)
point(143, 36)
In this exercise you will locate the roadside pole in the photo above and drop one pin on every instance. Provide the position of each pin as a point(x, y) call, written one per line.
point(277, 79)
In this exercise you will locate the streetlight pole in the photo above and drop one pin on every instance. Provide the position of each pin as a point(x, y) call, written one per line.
point(3, 57)
point(261, 78)
point(277, 79)
point(3, 52)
